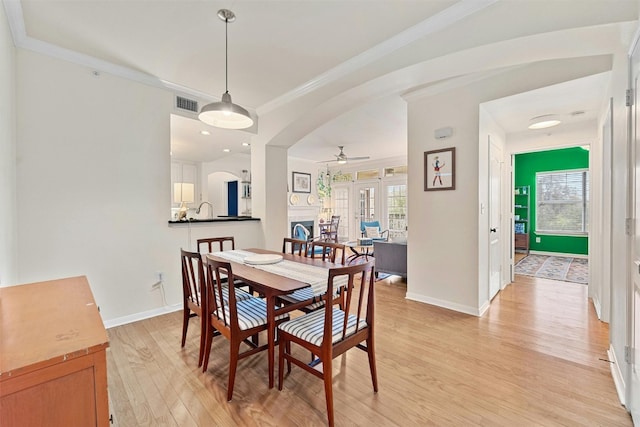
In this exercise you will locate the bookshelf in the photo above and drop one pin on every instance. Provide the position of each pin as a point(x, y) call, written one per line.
point(521, 216)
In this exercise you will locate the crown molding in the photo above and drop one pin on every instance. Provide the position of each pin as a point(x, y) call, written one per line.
point(431, 25)
point(435, 23)
point(21, 40)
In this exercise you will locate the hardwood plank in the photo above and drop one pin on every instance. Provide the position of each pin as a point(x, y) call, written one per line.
point(532, 359)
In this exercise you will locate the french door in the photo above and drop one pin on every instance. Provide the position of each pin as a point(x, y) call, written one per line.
point(341, 196)
point(395, 208)
point(367, 205)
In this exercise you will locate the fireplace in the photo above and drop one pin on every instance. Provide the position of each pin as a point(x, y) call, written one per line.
point(309, 225)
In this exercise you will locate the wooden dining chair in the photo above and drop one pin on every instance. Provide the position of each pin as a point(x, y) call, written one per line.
point(329, 231)
point(219, 244)
point(192, 282)
point(303, 299)
point(294, 246)
point(328, 251)
point(237, 320)
point(214, 244)
point(330, 332)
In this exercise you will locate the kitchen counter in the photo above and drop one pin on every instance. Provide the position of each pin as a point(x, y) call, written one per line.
point(218, 219)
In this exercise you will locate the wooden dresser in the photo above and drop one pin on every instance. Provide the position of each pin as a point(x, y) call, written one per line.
point(53, 343)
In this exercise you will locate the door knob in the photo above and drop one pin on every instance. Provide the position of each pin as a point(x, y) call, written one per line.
point(493, 230)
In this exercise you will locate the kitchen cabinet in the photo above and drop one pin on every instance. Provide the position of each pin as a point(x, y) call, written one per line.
point(188, 173)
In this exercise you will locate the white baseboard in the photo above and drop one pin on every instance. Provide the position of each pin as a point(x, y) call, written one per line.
point(618, 379)
point(596, 305)
point(474, 311)
point(558, 254)
point(141, 316)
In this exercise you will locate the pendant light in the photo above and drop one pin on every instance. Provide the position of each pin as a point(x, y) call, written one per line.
point(225, 114)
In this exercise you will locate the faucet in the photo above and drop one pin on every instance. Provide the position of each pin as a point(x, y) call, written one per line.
point(210, 208)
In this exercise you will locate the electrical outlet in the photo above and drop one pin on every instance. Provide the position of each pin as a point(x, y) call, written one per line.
point(538, 239)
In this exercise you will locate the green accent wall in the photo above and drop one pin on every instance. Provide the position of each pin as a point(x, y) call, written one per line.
point(526, 166)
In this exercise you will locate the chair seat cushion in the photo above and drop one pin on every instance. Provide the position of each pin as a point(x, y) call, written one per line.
point(240, 295)
point(252, 312)
point(310, 327)
point(306, 294)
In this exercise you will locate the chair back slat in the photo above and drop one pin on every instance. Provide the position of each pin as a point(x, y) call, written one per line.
point(361, 275)
point(218, 274)
point(215, 244)
point(192, 276)
point(328, 251)
point(294, 246)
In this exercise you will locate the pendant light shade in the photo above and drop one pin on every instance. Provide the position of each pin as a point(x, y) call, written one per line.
point(225, 114)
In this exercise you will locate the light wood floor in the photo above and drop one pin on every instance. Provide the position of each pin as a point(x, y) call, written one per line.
point(533, 359)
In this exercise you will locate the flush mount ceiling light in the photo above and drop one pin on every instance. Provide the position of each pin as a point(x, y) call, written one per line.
point(543, 122)
point(225, 114)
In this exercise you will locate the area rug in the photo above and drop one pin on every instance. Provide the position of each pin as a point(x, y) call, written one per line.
point(382, 276)
point(567, 269)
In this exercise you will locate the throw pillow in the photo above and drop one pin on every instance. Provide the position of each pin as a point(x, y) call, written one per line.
point(372, 232)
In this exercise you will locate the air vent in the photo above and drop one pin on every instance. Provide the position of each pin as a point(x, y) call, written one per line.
point(186, 104)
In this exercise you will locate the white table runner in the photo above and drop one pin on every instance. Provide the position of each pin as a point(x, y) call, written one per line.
point(315, 276)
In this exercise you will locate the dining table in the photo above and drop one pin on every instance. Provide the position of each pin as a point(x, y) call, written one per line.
point(273, 282)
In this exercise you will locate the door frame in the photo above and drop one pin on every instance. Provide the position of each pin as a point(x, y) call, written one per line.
point(500, 211)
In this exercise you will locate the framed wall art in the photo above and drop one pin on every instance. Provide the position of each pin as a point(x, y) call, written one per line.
point(440, 169)
point(301, 182)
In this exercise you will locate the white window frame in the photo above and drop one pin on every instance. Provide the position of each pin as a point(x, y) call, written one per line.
point(584, 202)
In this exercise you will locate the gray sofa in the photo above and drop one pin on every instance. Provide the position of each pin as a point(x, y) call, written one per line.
point(391, 257)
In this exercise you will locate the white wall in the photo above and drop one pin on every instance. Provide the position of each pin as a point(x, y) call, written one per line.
point(233, 165)
point(217, 194)
point(448, 232)
point(93, 178)
point(8, 214)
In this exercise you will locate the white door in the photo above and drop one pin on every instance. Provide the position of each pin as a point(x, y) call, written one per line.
point(367, 205)
point(340, 195)
point(633, 398)
point(495, 206)
point(394, 204)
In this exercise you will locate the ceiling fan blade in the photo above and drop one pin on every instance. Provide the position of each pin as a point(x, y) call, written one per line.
point(358, 158)
point(327, 161)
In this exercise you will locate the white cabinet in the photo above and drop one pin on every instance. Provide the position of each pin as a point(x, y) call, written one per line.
point(183, 172)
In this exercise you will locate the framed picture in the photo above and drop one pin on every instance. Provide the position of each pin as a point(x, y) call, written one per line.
point(440, 169)
point(301, 182)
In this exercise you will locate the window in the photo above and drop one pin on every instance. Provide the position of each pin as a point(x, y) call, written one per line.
point(369, 174)
point(562, 201)
point(395, 171)
point(397, 210)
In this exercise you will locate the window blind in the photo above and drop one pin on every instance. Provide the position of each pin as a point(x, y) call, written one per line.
point(562, 200)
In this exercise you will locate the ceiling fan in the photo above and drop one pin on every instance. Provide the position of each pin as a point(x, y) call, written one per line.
point(342, 158)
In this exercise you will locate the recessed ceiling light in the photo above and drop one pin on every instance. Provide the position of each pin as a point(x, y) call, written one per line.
point(245, 144)
point(205, 132)
point(543, 122)
point(226, 150)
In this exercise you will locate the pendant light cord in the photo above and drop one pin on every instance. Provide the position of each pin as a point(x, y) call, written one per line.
point(226, 55)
